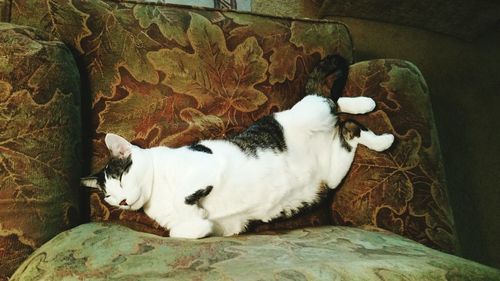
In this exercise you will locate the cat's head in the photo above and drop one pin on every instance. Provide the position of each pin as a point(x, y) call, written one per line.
point(124, 179)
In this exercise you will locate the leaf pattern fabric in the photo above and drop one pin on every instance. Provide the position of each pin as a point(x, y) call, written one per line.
point(113, 252)
point(168, 75)
point(163, 74)
point(40, 142)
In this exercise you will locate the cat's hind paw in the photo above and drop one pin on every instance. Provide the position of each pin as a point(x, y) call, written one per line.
point(383, 142)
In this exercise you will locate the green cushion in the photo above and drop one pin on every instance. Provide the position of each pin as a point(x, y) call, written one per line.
point(99, 251)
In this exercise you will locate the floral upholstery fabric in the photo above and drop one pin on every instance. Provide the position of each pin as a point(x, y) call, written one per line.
point(39, 142)
point(162, 74)
point(98, 251)
point(168, 75)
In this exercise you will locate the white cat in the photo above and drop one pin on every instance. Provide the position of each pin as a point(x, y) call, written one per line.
point(215, 187)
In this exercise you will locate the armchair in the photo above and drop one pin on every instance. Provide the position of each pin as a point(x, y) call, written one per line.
point(162, 74)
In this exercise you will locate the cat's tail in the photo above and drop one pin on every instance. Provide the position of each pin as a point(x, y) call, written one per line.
point(334, 65)
point(341, 73)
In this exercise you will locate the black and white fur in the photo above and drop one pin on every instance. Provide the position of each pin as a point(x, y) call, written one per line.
point(215, 187)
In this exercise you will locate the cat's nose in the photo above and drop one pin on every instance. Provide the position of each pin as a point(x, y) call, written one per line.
point(123, 202)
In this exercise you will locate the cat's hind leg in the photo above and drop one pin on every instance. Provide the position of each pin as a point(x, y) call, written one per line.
point(354, 133)
point(350, 134)
point(355, 105)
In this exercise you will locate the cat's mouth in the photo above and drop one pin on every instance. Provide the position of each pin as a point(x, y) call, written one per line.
point(127, 206)
point(124, 205)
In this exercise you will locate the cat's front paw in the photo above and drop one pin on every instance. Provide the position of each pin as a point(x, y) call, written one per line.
point(192, 229)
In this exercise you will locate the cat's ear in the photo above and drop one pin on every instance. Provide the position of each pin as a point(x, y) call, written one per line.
point(90, 181)
point(118, 146)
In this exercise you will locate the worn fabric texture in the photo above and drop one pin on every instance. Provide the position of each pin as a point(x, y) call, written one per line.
point(98, 251)
point(39, 142)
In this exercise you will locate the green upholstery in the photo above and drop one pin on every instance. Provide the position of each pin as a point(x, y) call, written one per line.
point(99, 251)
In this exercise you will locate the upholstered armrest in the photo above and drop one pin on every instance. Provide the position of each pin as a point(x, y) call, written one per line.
point(403, 189)
point(39, 142)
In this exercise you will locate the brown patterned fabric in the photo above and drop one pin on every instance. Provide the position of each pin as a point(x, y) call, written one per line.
point(39, 142)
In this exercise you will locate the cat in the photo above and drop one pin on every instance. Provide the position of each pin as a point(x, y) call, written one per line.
point(272, 169)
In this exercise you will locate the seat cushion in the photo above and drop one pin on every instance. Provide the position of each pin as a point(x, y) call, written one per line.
point(104, 251)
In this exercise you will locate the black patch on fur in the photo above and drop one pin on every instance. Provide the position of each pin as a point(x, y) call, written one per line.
point(200, 148)
point(118, 166)
point(200, 193)
point(348, 130)
point(265, 133)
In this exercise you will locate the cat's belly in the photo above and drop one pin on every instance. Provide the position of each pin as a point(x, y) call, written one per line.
point(260, 188)
point(232, 217)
